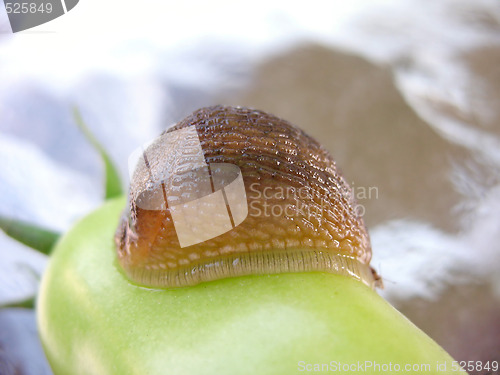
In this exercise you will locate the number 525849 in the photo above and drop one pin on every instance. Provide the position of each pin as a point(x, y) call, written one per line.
point(25, 8)
point(475, 365)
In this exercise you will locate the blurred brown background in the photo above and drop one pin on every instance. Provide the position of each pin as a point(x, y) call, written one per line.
point(354, 108)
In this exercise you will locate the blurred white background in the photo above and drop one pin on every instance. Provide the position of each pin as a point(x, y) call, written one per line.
point(403, 93)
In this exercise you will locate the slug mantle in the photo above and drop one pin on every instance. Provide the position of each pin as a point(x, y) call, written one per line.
point(232, 191)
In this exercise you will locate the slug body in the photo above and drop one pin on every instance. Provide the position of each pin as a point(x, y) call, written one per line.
point(93, 321)
point(231, 192)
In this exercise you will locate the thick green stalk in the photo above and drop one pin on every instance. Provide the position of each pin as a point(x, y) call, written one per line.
point(92, 320)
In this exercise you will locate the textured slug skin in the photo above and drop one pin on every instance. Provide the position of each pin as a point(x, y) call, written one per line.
point(301, 212)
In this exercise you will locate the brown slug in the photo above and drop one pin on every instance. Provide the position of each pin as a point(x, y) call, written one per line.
point(232, 191)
